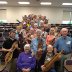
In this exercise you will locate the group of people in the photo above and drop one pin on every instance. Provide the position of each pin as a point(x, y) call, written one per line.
point(36, 46)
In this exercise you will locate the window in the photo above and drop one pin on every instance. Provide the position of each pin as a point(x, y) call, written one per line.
point(67, 17)
point(3, 16)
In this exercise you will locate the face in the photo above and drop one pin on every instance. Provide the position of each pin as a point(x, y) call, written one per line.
point(32, 23)
point(49, 48)
point(12, 34)
point(35, 26)
point(52, 31)
point(42, 24)
point(64, 32)
point(31, 30)
point(18, 29)
point(27, 49)
point(38, 34)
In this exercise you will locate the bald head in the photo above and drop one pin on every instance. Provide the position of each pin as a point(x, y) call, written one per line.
point(64, 31)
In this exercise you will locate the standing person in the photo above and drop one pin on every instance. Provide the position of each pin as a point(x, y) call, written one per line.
point(47, 27)
point(50, 38)
point(64, 42)
point(18, 29)
point(44, 33)
point(35, 41)
point(7, 47)
point(38, 46)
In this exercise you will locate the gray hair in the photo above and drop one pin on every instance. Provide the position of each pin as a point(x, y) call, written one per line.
point(27, 45)
point(38, 31)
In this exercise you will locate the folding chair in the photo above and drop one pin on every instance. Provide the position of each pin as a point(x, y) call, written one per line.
point(68, 65)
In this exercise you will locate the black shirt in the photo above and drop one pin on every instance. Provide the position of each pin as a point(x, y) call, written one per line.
point(8, 44)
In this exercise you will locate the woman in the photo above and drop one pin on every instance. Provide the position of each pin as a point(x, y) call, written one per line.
point(51, 37)
point(26, 62)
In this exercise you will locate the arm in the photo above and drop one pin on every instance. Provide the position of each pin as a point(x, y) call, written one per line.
point(33, 46)
point(33, 63)
point(46, 40)
point(4, 46)
point(55, 47)
point(44, 44)
point(7, 50)
point(20, 63)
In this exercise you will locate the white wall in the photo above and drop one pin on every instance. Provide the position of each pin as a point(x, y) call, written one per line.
point(55, 15)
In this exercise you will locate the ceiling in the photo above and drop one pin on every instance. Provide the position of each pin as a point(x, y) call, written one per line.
point(55, 3)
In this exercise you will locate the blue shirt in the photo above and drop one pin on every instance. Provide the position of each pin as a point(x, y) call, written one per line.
point(64, 44)
point(17, 36)
point(34, 44)
point(26, 61)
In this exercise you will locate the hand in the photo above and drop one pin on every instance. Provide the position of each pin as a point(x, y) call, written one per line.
point(60, 56)
point(39, 50)
point(23, 70)
point(16, 46)
point(32, 53)
point(43, 68)
point(10, 50)
point(18, 49)
point(28, 69)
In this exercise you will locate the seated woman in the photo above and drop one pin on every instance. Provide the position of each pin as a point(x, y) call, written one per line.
point(48, 57)
point(26, 62)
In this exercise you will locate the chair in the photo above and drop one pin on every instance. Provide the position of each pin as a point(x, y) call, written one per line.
point(68, 65)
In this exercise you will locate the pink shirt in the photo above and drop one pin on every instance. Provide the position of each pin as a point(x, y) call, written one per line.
point(49, 39)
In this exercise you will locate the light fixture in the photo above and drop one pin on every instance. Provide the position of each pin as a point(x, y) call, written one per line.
point(45, 3)
point(3, 2)
point(66, 3)
point(23, 2)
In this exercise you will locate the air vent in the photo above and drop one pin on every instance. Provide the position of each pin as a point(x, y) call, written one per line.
point(37, 0)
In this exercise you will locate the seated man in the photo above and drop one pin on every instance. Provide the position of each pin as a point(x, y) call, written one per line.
point(26, 62)
point(48, 57)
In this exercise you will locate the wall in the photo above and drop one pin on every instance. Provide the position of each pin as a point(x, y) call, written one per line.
point(55, 15)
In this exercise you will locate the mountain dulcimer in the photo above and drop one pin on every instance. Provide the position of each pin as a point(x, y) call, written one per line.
point(40, 50)
point(50, 63)
point(9, 55)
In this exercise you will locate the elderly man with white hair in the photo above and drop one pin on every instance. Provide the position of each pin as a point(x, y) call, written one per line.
point(35, 41)
point(38, 45)
point(26, 62)
point(64, 43)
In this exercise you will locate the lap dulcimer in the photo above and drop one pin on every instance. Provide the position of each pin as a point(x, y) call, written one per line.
point(8, 56)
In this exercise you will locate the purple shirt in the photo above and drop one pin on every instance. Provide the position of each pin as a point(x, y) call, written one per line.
point(26, 61)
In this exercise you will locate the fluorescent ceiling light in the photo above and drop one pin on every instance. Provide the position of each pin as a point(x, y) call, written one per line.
point(45, 3)
point(23, 2)
point(3, 2)
point(66, 3)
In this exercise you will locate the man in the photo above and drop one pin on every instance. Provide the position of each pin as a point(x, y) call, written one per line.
point(38, 46)
point(47, 56)
point(63, 43)
point(35, 41)
point(7, 47)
